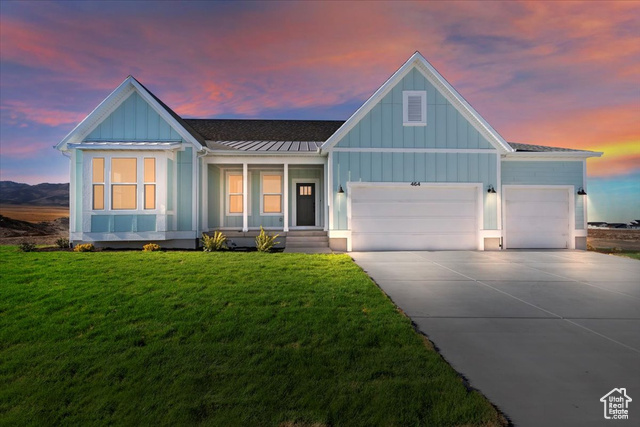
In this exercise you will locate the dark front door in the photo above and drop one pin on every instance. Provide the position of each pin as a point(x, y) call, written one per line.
point(305, 204)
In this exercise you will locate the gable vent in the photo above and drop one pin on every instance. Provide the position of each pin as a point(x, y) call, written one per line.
point(414, 107)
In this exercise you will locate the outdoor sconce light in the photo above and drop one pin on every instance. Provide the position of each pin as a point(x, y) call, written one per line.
point(340, 190)
point(491, 190)
point(581, 192)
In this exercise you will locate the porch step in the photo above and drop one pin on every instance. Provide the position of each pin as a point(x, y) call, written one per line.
point(306, 233)
point(307, 239)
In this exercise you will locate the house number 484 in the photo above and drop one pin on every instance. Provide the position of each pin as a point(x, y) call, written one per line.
point(415, 184)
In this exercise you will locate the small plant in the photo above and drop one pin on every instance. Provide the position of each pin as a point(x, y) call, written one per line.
point(62, 242)
point(86, 247)
point(27, 247)
point(265, 241)
point(151, 247)
point(213, 243)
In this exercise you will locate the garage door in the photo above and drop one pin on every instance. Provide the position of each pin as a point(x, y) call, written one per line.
point(537, 218)
point(413, 218)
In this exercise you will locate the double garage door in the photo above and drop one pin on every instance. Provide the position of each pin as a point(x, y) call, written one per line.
point(401, 217)
point(414, 218)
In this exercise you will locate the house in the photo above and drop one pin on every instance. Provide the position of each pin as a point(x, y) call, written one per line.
point(414, 168)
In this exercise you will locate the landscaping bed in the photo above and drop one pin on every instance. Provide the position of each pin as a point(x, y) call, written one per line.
point(214, 338)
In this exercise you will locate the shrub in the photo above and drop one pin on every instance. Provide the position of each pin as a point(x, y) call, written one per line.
point(62, 242)
point(265, 241)
point(151, 247)
point(27, 247)
point(590, 247)
point(216, 242)
point(86, 247)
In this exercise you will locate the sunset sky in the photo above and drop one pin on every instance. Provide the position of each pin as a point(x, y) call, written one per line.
point(550, 73)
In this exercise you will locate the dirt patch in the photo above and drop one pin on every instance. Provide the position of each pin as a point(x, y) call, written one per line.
point(625, 239)
point(33, 213)
point(14, 232)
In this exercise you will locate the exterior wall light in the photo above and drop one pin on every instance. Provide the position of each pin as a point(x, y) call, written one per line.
point(340, 190)
point(581, 192)
point(491, 190)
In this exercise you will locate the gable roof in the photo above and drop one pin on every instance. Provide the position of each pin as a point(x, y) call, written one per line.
point(117, 97)
point(432, 75)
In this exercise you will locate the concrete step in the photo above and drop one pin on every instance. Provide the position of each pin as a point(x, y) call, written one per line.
point(299, 239)
point(306, 233)
point(307, 244)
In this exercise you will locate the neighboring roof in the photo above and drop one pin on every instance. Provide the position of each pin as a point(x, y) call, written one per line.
point(430, 73)
point(541, 148)
point(264, 130)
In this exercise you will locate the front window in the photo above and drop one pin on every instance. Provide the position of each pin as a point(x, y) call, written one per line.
point(235, 193)
point(271, 193)
point(97, 166)
point(149, 183)
point(124, 183)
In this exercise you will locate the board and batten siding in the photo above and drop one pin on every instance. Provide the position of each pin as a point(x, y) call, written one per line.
point(184, 196)
point(548, 173)
point(134, 120)
point(382, 127)
point(410, 167)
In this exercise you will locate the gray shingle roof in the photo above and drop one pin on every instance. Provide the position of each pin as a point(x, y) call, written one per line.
point(264, 135)
point(538, 148)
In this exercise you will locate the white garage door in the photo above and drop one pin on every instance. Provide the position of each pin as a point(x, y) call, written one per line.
point(414, 218)
point(537, 218)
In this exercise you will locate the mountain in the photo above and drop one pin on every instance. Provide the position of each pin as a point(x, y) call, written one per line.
point(16, 193)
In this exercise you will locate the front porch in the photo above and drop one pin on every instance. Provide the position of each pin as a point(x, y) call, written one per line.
point(244, 194)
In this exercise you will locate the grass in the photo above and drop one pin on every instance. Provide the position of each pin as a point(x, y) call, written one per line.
point(618, 252)
point(178, 338)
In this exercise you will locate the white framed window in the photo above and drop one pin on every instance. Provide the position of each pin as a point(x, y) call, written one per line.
point(271, 193)
point(124, 183)
point(149, 183)
point(234, 193)
point(414, 108)
point(97, 178)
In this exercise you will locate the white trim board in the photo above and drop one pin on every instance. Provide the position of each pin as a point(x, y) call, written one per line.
point(435, 78)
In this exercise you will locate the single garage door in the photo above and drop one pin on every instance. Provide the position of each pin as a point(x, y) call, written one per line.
point(414, 218)
point(537, 218)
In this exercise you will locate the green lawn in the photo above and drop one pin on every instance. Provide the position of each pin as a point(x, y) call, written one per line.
point(618, 252)
point(178, 338)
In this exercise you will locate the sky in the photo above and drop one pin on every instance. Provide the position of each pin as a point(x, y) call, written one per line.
point(557, 73)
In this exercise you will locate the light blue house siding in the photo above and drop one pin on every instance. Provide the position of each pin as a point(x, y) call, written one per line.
point(548, 173)
point(382, 128)
point(184, 208)
point(409, 167)
point(255, 219)
point(122, 223)
point(134, 120)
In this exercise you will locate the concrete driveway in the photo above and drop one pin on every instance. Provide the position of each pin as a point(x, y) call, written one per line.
point(543, 334)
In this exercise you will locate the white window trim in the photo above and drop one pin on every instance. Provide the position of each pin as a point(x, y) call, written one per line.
point(405, 113)
point(281, 193)
point(227, 173)
point(108, 210)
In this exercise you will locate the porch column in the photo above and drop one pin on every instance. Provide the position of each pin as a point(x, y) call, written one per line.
point(286, 198)
point(245, 197)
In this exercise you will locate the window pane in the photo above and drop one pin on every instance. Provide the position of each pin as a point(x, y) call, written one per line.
point(98, 197)
point(271, 184)
point(235, 204)
point(235, 183)
point(149, 170)
point(272, 203)
point(98, 169)
point(123, 170)
point(123, 196)
point(149, 196)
